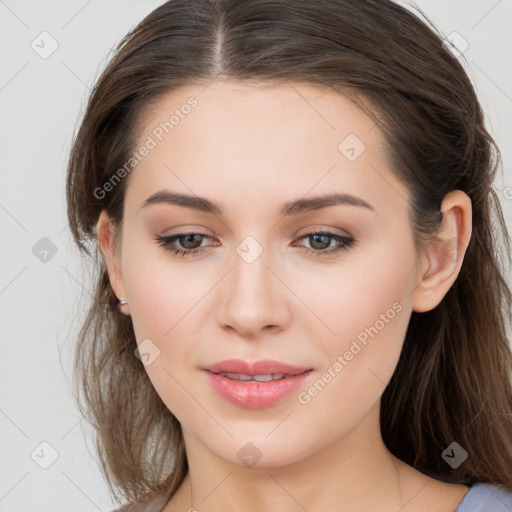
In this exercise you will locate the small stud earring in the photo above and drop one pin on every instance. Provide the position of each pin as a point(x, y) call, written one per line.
point(122, 302)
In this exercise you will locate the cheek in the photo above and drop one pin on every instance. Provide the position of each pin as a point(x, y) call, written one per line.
point(364, 307)
point(162, 298)
point(368, 287)
point(163, 293)
point(360, 362)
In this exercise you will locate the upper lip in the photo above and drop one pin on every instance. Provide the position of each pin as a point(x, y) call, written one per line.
point(263, 367)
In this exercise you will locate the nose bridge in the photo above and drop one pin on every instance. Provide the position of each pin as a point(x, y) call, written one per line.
point(253, 298)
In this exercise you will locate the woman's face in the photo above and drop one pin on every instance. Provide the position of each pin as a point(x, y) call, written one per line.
point(263, 287)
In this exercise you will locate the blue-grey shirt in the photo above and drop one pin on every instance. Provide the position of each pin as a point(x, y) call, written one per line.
point(484, 497)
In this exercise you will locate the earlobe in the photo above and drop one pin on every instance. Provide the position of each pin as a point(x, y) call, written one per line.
point(444, 253)
point(105, 236)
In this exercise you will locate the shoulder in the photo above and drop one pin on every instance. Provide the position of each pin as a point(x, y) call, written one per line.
point(485, 497)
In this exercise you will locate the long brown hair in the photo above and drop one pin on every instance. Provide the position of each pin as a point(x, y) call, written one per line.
point(453, 378)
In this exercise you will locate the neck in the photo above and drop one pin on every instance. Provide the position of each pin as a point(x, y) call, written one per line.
point(356, 473)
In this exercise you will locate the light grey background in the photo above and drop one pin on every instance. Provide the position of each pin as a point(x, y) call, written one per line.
point(40, 103)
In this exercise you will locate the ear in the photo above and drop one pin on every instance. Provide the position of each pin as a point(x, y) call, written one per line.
point(105, 235)
point(444, 253)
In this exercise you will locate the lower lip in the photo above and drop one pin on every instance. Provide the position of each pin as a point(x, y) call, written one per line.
point(256, 395)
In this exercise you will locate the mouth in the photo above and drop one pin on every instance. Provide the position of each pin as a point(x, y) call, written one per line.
point(263, 368)
point(260, 384)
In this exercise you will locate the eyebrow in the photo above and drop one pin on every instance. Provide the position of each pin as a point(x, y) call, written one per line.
point(290, 208)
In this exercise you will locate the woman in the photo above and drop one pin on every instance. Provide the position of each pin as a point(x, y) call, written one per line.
point(300, 303)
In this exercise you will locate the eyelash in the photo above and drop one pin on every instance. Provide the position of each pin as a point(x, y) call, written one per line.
point(346, 242)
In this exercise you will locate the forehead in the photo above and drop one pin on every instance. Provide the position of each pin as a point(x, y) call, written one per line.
point(238, 136)
point(263, 108)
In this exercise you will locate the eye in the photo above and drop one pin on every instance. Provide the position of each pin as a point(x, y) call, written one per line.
point(190, 241)
point(320, 243)
point(321, 240)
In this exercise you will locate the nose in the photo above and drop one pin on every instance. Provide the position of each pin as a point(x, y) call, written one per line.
point(253, 299)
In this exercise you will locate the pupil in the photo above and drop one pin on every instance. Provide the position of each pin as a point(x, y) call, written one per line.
point(316, 239)
point(188, 238)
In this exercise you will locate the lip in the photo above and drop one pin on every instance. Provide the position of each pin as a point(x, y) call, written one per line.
point(263, 367)
point(251, 394)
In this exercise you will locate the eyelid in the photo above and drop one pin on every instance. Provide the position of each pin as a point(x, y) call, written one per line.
point(318, 228)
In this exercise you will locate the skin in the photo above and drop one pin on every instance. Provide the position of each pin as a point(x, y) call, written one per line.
point(252, 147)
